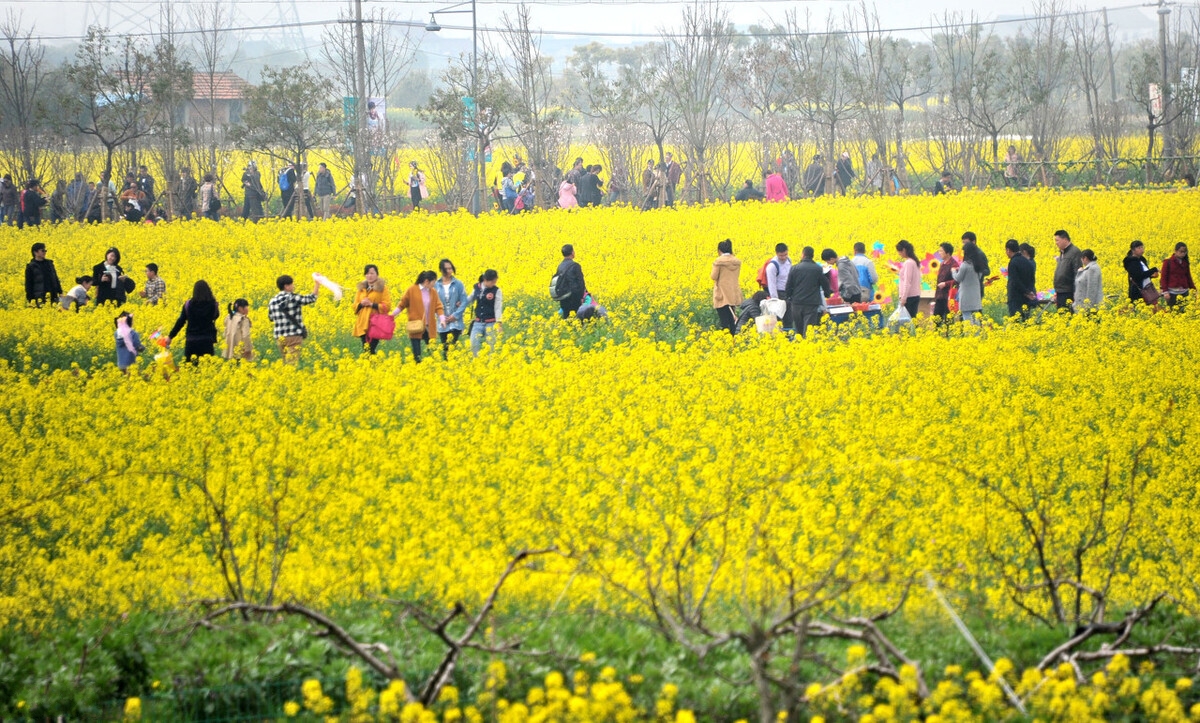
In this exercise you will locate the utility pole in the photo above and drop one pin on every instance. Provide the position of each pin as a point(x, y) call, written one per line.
point(361, 158)
point(480, 179)
point(1112, 68)
point(1168, 144)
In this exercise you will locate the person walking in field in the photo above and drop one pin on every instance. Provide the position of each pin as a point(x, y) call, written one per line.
point(910, 278)
point(1141, 276)
point(1089, 288)
point(727, 292)
point(488, 312)
point(570, 287)
point(371, 297)
point(673, 172)
point(199, 314)
point(237, 332)
point(424, 311)
point(453, 295)
point(285, 310)
point(129, 343)
point(774, 186)
point(255, 194)
point(845, 173)
point(1067, 266)
point(566, 194)
point(1175, 279)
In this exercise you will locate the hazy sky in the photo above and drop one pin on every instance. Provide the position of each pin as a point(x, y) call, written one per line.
point(68, 17)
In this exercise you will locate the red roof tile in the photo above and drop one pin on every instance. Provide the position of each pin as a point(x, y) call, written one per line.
point(224, 86)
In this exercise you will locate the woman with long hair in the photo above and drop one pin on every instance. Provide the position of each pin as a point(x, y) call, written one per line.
point(910, 278)
point(1141, 284)
point(424, 311)
point(199, 314)
point(1176, 277)
point(727, 293)
point(453, 296)
point(969, 278)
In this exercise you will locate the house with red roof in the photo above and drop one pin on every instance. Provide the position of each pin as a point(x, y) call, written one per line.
point(217, 98)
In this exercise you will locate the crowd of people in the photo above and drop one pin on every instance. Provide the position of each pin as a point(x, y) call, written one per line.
point(800, 294)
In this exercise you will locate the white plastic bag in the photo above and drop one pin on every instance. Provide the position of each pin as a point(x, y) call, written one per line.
point(774, 307)
point(766, 323)
point(899, 316)
point(333, 288)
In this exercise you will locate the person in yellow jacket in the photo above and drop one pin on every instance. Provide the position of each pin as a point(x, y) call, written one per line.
point(424, 309)
point(371, 298)
point(237, 331)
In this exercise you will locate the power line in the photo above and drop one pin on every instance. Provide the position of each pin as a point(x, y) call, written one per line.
point(593, 34)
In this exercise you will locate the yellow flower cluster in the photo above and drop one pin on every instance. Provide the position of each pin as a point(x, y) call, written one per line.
point(605, 700)
point(781, 464)
point(1114, 694)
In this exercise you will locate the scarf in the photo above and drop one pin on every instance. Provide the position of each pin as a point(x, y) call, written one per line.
point(125, 334)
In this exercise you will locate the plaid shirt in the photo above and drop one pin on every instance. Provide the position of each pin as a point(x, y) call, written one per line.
point(156, 289)
point(285, 313)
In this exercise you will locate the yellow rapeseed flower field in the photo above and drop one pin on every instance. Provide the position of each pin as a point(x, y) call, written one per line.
point(654, 454)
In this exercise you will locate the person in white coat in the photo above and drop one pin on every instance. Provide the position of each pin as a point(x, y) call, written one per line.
point(1089, 290)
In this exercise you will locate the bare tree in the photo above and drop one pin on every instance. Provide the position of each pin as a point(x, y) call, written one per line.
point(108, 96)
point(757, 84)
point(977, 78)
point(211, 22)
point(535, 115)
point(606, 92)
point(22, 77)
point(390, 49)
point(825, 87)
point(695, 58)
point(1089, 58)
point(171, 87)
point(1040, 63)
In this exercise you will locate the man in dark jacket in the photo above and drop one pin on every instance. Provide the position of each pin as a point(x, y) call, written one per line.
point(188, 190)
point(325, 190)
point(814, 177)
point(674, 174)
point(1022, 291)
point(570, 273)
point(41, 278)
point(145, 184)
point(748, 193)
point(845, 173)
point(10, 200)
point(1069, 261)
point(807, 287)
point(32, 203)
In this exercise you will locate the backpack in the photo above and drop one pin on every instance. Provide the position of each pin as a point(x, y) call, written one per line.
point(558, 287)
point(283, 181)
point(762, 271)
point(864, 277)
point(848, 286)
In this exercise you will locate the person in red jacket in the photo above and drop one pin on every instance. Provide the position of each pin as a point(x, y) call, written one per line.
point(1175, 280)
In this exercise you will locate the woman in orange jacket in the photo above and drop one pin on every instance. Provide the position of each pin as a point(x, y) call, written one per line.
point(371, 298)
point(424, 310)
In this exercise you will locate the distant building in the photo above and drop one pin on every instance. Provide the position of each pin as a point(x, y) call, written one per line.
point(217, 98)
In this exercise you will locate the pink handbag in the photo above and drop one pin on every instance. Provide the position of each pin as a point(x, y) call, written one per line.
point(382, 327)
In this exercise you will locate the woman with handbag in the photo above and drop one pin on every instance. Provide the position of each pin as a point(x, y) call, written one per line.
point(424, 311)
point(371, 300)
point(1141, 288)
point(453, 296)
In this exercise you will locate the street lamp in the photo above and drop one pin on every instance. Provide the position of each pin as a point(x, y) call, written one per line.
point(433, 27)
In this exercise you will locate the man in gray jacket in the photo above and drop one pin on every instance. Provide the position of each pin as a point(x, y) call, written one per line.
point(1064, 273)
point(325, 190)
point(807, 287)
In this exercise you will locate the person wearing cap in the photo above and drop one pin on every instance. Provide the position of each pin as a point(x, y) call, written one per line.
point(41, 278)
